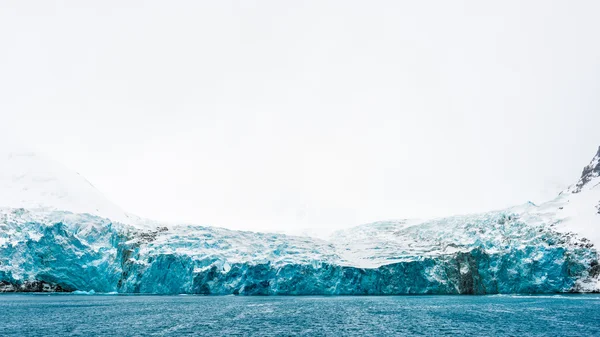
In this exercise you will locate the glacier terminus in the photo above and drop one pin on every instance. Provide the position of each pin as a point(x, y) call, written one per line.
point(83, 243)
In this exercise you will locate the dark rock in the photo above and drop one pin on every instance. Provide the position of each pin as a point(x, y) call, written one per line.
point(594, 269)
point(589, 172)
point(31, 287)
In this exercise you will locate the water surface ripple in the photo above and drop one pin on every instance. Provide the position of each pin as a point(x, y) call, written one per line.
point(72, 315)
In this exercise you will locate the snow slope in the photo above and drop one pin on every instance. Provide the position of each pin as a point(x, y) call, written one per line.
point(29, 180)
point(578, 208)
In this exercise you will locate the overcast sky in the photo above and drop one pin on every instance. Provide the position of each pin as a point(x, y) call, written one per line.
point(283, 115)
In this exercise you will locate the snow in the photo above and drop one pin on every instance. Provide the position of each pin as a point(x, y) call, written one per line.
point(576, 209)
point(29, 180)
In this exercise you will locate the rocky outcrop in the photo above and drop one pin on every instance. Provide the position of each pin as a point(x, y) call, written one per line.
point(590, 172)
point(31, 287)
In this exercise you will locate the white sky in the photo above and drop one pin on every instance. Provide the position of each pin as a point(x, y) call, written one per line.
point(283, 115)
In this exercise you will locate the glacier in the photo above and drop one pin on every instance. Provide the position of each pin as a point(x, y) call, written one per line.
point(546, 248)
point(486, 254)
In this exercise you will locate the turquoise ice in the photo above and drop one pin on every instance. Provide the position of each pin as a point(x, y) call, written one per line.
point(496, 252)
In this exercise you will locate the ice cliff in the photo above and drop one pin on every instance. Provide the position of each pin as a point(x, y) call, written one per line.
point(529, 248)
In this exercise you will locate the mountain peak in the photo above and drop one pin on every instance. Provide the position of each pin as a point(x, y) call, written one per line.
point(30, 180)
point(589, 176)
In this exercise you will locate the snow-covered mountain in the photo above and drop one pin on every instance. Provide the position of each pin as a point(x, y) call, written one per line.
point(523, 249)
point(29, 180)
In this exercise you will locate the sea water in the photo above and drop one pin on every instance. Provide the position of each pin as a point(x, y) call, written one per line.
point(117, 315)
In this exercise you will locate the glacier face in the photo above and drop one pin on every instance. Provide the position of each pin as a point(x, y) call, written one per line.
point(490, 253)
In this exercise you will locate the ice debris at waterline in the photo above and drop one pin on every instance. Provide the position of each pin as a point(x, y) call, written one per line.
point(479, 254)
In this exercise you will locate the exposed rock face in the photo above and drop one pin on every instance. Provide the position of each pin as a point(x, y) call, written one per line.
point(30, 287)
point(589, 173)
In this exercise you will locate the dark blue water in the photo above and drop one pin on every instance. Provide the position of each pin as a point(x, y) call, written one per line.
point(71, 315)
